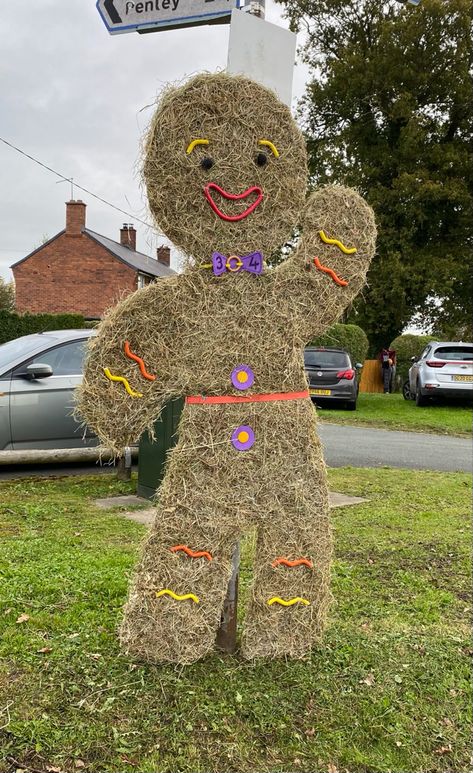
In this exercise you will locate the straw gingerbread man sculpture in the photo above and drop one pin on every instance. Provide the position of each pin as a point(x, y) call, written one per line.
point(226, 174)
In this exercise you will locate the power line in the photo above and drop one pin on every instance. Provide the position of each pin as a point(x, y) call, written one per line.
point(81, 188)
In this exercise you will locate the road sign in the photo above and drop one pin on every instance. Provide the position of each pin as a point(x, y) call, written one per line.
point(152, 15)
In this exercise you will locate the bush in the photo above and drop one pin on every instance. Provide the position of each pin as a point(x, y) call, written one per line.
point(13, 325)
point(407, 346)
point(349, 337)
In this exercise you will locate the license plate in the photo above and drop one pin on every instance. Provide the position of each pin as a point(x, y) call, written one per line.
point(462, 378)
point(320, 391)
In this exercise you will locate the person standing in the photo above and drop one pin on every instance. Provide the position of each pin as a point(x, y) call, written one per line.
point(387, 359)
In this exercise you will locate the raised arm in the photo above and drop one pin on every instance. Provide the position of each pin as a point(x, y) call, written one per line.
point(131, 367)
point(328, 268)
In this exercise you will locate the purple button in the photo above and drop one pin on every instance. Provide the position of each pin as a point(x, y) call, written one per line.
point(243, 438)
point(242, 377)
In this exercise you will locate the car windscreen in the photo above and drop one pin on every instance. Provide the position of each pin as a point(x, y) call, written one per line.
point(325, 359)
point(26, 345)
point(454, 353)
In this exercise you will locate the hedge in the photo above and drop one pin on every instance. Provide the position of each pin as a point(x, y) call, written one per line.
point(13, 325)
point(349, 337)
point(408, 346)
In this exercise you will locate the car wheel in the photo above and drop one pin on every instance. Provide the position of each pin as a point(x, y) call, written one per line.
point(351, 405)
point(421, 401)
point(406, 390)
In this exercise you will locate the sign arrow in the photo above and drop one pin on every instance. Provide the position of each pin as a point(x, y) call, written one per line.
point(115, 17)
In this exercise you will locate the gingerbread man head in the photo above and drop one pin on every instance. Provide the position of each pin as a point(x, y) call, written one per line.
point(225, 167)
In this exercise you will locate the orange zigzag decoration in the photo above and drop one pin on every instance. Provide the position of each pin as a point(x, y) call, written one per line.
point(192, 553)
point(298, 562)
point(330, 272)
point(140, 362)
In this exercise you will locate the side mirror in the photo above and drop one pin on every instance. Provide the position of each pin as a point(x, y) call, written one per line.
point(358, 365)
point(414, 359)
point(38, 370)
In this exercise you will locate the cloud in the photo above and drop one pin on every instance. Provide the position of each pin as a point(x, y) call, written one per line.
point(79, 99)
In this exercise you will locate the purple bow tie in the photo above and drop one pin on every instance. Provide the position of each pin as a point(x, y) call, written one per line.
point(252, 263)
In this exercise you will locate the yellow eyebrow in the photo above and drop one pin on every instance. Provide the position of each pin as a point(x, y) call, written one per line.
point(270, 145)
point(192, 145)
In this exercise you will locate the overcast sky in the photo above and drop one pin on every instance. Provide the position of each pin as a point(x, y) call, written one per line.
point(77, 98)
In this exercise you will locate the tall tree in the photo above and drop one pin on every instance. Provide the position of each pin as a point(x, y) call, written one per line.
point(389, 110)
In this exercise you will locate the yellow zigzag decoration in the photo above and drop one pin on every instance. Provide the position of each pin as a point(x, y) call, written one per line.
point(297, 599)
point(337, 243)
point(123, 381)
point(176, 596)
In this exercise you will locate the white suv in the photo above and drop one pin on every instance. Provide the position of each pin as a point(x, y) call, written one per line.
point(444, 369)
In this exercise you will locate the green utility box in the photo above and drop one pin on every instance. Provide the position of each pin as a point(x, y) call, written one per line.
point(152, 455)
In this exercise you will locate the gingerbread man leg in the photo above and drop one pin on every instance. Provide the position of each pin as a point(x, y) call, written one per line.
point(176, 597)
point(290, 594)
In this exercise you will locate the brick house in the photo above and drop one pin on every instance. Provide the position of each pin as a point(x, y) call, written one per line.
point(81, 271)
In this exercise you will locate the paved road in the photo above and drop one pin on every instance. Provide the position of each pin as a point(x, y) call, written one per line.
point(343, 446)
point(368, 447)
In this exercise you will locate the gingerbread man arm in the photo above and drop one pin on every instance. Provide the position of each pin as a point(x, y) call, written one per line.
point(328, 268)
point(131, 368)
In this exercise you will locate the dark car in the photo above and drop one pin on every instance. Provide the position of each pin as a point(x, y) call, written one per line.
point(332, 377)
point(38, 376)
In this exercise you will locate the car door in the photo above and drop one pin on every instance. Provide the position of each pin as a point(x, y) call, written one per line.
point(5, 429)
point(41, 408)
point(414, 369)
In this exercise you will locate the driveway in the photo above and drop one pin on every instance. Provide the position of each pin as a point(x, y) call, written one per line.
point(367, 447)
point(343, 446)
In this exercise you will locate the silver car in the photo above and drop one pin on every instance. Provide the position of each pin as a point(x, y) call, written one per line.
point(38, 375)
point(444, 369)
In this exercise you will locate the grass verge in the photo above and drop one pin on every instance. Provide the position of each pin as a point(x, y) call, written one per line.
point(388, 690)
point(393, 412)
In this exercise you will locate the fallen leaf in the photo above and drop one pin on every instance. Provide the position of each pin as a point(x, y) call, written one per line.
point(23, 618)
point(95, 655)
point(40, 652)
point(238, 697)
point(332, 768)
point(310, 732)
point(297, 761)
point(52, 769)
point(73, 635)
point(79, 763)
point(7, 611)
point(398, 743)
point(443, 749)
point(368, 680)
point(398, 678)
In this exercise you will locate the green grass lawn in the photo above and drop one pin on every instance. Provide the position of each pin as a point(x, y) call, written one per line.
point(388, 690)
point(393, 412)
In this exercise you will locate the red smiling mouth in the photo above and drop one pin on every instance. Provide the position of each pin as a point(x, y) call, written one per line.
point(233, 197)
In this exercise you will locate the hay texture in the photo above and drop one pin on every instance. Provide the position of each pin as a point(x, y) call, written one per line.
point(192, 332)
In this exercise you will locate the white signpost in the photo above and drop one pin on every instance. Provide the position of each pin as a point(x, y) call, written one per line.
point(262, 51)
point(152, 15)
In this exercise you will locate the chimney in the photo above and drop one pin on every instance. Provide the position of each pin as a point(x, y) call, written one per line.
point(164, 255)
point(128, 236)
point(75, 217)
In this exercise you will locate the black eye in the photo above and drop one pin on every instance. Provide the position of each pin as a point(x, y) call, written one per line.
point(207, 163)
point(261, 159)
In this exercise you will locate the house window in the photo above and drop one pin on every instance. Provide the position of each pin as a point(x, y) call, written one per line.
point(141, 281)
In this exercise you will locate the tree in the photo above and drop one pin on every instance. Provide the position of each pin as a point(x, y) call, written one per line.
point(389, 110)
point(7, 295)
